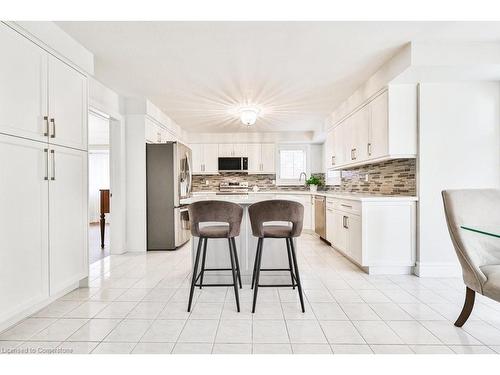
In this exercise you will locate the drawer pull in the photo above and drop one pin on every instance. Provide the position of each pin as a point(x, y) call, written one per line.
point(345, 205)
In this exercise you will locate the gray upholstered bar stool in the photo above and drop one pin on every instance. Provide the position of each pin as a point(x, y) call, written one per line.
point(276, 210)
point(221, 212)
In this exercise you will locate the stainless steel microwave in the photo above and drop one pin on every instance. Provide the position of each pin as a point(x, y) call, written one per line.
point(233, 164)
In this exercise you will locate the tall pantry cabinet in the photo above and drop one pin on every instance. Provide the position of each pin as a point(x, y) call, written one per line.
point(43, 175)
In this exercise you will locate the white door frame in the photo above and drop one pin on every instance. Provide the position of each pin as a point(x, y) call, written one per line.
point(116, 178)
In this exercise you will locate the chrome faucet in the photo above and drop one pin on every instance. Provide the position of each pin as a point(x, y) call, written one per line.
point(305, 176)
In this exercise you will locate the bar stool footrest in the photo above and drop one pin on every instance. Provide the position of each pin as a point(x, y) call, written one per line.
point(277, 285)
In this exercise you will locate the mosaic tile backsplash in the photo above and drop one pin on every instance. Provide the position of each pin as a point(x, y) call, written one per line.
point(393, 177)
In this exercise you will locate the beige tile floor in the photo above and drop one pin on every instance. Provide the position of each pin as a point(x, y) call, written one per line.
point(136, 303)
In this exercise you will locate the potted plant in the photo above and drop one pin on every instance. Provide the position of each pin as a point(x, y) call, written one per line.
point(313, 182)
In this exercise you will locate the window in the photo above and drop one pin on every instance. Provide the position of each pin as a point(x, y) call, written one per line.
point(291, 163)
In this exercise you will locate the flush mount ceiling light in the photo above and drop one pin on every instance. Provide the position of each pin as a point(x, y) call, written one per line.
point(248, 115)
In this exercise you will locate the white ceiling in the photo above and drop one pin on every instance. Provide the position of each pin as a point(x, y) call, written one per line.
point(296, 72)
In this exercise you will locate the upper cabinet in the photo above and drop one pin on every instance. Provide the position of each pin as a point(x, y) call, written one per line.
point(205, 158)
point(41, 97)
point(383, 128)
point(228, 150)
point(261, 158)
point(23, 91)
point(67, 105)
point(156, 133)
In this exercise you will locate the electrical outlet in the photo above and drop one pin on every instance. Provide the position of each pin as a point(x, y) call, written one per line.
point(366, 177)
point(206, 182)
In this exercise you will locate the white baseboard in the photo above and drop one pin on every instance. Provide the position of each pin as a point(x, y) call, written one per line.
point(437, 270)
point(24, 311)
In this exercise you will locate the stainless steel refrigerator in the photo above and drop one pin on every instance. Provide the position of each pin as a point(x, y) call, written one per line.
point(169, 179)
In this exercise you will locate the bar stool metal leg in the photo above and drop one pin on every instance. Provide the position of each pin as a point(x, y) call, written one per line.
point(299, 285)
point(290, 263)
point(233, 270)
point(203, 261)
point(255, 264)
point(237, 261)
point(195, 271)
point(257, 272)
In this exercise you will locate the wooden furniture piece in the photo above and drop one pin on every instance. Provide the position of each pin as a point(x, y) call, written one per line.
point(104, 199)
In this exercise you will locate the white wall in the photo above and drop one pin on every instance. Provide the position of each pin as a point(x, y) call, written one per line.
point(98, 179)
point(108, 102)
point(459, 147)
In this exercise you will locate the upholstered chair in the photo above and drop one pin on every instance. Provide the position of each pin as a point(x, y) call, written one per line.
point(281, 211)
point(229, 215)
point(473, 218)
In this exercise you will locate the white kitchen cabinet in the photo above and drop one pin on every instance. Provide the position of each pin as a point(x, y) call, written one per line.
point(205, 158)
point(354, 237)
point(23, 225)
point(268, 158)
point(228, 150)
point(254, 151)
point(328, 150)
point(23, 88)
point(377, 235)
point(383, 128)
point(261, 158)
point(67, 105)
point(358, 149)
point(240, 150)
point(197, 157)
point(43, 177)
point(67, 217)
point(339, 147)
point(378, 133)
point(210, 158)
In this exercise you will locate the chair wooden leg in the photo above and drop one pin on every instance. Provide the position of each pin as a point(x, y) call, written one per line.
point(195, 271)
point(203, 261)
point(470, 296)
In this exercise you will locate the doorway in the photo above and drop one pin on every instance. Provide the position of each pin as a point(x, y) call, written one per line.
point(99, 178)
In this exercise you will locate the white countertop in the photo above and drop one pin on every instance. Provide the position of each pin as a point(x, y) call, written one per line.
point(253, 197)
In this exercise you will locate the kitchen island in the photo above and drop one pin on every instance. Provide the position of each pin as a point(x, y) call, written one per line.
point(376, 232)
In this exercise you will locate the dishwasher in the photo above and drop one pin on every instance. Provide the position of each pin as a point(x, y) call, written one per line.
point(319, 216)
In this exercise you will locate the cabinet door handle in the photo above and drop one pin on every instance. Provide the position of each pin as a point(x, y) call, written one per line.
point(46, 152)
point(344, 222)
point(369, 147)
point(345, 205)
point(46, 119)
point(53, 153)
point(333, 160)
point(53, 135)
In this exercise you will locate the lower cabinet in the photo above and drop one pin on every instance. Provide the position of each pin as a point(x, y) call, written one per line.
point(43, 222)
point(67, 217)
point(24, 236)
point(379, 236)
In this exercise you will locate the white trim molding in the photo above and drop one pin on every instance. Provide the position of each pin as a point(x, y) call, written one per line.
point(437, 270)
